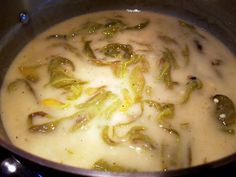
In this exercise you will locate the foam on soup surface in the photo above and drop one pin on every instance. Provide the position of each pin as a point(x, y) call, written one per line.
point(121, 91)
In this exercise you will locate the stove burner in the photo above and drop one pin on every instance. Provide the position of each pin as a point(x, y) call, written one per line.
point(11, 167)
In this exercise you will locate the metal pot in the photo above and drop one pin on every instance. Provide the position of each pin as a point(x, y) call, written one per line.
point(21, 20)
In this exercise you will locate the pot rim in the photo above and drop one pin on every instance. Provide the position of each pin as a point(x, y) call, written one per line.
point(89, 172)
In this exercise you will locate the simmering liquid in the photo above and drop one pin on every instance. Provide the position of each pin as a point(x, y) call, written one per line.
point(122, 91)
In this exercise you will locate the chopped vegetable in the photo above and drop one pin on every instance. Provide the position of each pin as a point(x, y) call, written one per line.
point(165, 74)
point(168, 55)
point(166, 110)
point(215, 66)
point(123, 53)
point(119, 69)
point(75, 92)
point(13, 86)
point(189, 155)
point(139, 26)
point(185, 126)
point(106, 138)
point(116, 50)
point(37, 114)
point(82, 119)
point(216, 62)
point(193, 84)
point(128, 101)
point(153, 103)
point(114, 105)
point(109, 29)
point(60, 70)
point(94, 90)
point(97, 101)
point(100, 104)
point(102, 165)
point(163, 157)
point(148, 90)
point(65, 82)
point(136, 58)
point(191, 28)
point(60, 64)
point(169, 157)
point(44, 128)
point(52, 125)
point(51, 102)
point(41, 128)
point(144, 64)
point(147, 47)
point(121, 125)
point(186, 54)
point(136, 136)
point(30, 73)
point(87, 29)
point(198, 45)
point(91, 27)
point(167, 39)
point(186, 25)
point(171, 131)
point(137, 83)
point(88, 50)
point(127, 57)
point(112, 27)
point(67, 47)
point(69, 151)
point(100, 62)
point(229, 131)
point(224, 110)
point(167, 61)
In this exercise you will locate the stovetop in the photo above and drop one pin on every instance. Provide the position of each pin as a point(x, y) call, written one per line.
point(13, 166)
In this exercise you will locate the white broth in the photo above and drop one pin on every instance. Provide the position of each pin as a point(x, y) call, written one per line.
point(122, 91)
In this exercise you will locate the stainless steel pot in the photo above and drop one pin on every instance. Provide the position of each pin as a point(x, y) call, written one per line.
point(21, 20)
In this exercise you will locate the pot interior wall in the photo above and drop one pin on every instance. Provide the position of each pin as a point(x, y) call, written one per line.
point(211, 15)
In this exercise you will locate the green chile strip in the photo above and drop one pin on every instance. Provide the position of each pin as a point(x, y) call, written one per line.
point(102, 165)
point(224, 109)
point(88, 50)
point(13, 86)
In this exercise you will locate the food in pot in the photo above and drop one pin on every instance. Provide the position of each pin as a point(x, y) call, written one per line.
point(122, 91)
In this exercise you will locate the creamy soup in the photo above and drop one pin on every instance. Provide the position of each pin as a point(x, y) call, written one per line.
point(122, 91)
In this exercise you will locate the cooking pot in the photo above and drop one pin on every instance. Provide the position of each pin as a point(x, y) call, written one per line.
point(22, 20)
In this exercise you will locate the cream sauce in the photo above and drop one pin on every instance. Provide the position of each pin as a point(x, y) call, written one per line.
point(85, 146)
